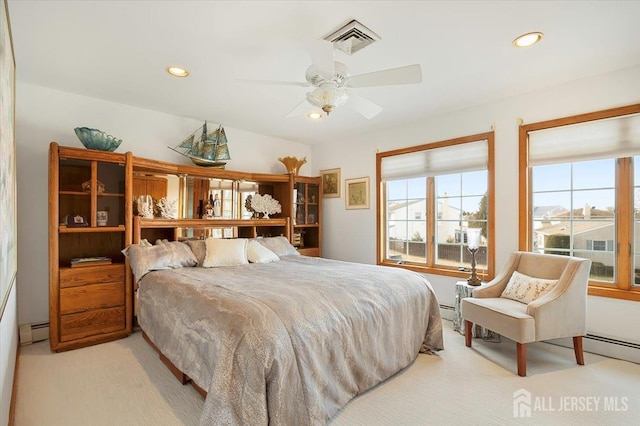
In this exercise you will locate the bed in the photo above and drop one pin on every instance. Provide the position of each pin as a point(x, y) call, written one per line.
point(289, 341)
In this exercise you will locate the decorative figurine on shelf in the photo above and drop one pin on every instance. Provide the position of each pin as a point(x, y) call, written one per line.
point(266, 205)
point(473, 241)
point(207, 149)
point(102, 216)
point(144, 206)
point(216, 206)
point(168, 209)
point(208, 209)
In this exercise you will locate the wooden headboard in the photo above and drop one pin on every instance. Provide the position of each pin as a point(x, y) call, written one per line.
point(176, 229)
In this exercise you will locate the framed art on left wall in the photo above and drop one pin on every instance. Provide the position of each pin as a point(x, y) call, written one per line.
point(8, 236)
point(330, 183)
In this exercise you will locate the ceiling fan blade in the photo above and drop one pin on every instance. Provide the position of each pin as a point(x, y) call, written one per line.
point(404, 75)
point(321, 52)
point(276, 83)
point(301, 109)
point(364, 106)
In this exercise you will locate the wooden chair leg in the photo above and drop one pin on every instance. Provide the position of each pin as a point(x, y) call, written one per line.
point(577, 348)
point(522, 359)
point(468, 325)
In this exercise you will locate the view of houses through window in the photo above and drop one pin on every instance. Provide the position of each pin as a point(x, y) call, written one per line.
point(406, 220)
point(574, 213)
point(460, 203)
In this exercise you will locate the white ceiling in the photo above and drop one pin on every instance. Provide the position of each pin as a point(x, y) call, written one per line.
point(119, 50)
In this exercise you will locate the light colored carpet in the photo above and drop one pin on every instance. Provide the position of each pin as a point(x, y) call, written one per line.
point(124, 383)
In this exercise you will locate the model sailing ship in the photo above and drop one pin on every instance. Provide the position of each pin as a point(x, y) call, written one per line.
point(205, 149)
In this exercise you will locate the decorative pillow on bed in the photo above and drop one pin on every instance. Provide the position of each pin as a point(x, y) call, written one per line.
point(225, 252)
point(171, 255)
point(526, 289)
point(257, 253)
point(199, 249)
point(279, 245)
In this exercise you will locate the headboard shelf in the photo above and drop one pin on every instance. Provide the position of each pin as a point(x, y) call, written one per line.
point(245, 228)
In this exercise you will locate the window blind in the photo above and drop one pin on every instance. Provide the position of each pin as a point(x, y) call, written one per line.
point(593, 140)
point(459, 158)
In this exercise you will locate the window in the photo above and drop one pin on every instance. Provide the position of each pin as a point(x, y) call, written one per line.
point(600, 245)
point(580, 196)
point(429, 196)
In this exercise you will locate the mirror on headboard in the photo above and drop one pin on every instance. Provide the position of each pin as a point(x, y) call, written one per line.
point(156, 186)
point(198, 197)
point(201, 192)
point(210, 198)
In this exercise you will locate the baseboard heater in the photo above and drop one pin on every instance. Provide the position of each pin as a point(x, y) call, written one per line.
point(606, 346)
point(613, 341)
point(447, 312)
point(31, 333)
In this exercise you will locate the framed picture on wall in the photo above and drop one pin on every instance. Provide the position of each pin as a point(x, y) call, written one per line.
point(330, 183)
point(357, 193)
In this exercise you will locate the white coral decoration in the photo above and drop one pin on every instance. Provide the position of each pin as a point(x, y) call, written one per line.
point(265, 204)
point(168, 209)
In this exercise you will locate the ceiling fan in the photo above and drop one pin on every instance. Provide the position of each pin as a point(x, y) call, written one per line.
point(331, 83)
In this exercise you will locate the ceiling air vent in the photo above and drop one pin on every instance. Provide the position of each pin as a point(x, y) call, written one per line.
point(352, 37)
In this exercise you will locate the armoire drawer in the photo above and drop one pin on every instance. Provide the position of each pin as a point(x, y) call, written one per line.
point(72, 277)
point(92, 296)
point(91, 323)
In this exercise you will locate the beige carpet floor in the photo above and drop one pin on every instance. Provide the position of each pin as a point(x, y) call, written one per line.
point(124, 383)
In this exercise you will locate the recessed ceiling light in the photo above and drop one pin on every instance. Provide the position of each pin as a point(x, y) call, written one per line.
point(526, 40)
point(314, 115)
point(177, 71)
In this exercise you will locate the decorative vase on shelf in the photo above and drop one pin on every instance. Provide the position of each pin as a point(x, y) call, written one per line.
point(293, 164)
point(102, 216)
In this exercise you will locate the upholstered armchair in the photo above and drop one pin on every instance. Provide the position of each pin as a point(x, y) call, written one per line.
point(545, 299)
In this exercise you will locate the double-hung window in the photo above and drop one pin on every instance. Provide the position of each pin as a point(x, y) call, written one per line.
point(428, 198)
point(580, 195)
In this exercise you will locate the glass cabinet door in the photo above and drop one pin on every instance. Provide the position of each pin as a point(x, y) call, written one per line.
point(312, 203)
point(74, 194)
point(110, 209)
point(300, 194)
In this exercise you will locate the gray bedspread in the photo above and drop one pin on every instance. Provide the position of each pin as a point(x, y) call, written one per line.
point(289, 342)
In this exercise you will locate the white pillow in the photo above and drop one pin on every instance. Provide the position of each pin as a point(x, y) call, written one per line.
point(257, 253)
point(225, 252)
point(279, 245)
point(526, 289)
point(145, 258)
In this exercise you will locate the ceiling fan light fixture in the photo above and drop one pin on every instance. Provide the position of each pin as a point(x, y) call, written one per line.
point(528, 39)
point(178, 72)
point(328, 97)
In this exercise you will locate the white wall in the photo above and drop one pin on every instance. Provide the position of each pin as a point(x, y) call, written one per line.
point(44, 115)
point(350, 234)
